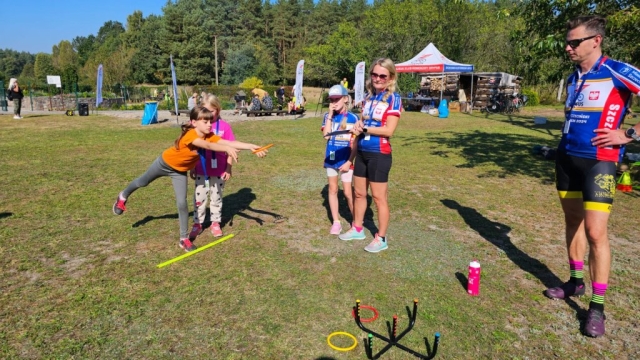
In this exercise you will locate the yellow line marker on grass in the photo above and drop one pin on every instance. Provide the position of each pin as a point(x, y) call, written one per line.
point(194, 251)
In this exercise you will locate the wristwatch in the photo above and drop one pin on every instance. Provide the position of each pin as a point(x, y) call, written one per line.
point(364, 129)
point(632, 133)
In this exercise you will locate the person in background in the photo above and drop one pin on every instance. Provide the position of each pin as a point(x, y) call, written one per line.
point(15, 93)
point(293, 109)
point(279, 93)
point(266, 103)
point(192, 102)
point(255, 103)
point(345, 83)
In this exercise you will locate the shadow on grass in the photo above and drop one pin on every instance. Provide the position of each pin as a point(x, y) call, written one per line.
point(525, 121)
point(498, 234)
point(149, 218)
point(240, 204)
point(34, 116)
point(511, 152)
point(343, 209)
point(462, 278)
point(325, 358)
point(233, 204)
point(5, 215)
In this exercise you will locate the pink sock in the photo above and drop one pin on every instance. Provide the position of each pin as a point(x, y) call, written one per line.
point(358, 228)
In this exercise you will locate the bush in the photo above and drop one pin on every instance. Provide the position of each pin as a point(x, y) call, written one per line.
point(133, 107)
point(534, 99)
point(251, 83)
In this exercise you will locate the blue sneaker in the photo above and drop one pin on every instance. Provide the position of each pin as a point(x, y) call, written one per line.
point(377, 245)
point(352, 234)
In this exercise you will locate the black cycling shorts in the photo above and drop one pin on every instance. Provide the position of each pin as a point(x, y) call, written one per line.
point(593, 181)
point(373, 166)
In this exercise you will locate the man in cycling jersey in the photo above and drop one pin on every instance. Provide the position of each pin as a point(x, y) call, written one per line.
point(598, 94)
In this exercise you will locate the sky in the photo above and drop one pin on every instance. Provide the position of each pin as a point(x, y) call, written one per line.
point(44, 23)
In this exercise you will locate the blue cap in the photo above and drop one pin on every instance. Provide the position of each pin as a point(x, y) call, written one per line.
point(337, 91)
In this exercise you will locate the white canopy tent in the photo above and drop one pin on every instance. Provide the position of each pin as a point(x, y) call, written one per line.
point(431, 60)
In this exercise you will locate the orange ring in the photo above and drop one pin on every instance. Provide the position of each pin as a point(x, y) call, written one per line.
point(262, 148)
point(366, 307)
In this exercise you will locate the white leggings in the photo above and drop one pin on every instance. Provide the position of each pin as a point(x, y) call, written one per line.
point(213, 194)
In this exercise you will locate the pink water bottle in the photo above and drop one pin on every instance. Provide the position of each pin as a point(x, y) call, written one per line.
point(473, 284)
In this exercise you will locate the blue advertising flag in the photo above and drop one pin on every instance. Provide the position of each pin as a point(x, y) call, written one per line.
point(175, 85)
point(99, 87)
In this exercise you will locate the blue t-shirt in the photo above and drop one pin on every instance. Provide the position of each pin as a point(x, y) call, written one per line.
point(375, 111)
point(597, 100)
point(338, 146)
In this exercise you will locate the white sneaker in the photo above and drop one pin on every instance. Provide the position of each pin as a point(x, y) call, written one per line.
point(17, 117)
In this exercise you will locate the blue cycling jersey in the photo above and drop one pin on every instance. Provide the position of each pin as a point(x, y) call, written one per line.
point(339, 146)
point(597, 99)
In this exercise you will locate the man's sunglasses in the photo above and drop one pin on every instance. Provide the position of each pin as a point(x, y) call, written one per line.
point(379, 76)
point(576, 42)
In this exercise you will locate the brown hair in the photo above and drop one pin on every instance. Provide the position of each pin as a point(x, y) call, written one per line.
point(197, 113)
point(595, 25)
point(387, 64)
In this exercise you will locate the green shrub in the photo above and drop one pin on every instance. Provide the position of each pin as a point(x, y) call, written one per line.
point(132, 107)
point(251, 83)
point(534, 99)
point(228, 105)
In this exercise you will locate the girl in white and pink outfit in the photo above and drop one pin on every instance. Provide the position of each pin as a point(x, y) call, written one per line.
point(216, 166)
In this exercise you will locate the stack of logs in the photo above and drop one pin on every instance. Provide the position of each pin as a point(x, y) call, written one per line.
point(486, 87)
point(439, 83)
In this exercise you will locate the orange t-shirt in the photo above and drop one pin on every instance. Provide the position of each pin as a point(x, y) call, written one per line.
point(185, 157)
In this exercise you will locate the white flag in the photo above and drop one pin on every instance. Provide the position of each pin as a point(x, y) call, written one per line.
point(359, 84)
point(297, 89)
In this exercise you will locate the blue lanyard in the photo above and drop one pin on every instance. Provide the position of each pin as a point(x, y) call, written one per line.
point(373, 106)
point(201, 152)
point(574, 96)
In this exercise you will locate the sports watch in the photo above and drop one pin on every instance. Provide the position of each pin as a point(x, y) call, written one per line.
point(632, 133)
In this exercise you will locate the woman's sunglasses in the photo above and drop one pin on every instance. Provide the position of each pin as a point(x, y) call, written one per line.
point(379, 76)
point(576, 42)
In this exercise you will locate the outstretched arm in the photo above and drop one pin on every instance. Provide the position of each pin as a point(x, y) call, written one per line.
point(243, 146)
point(217, 146)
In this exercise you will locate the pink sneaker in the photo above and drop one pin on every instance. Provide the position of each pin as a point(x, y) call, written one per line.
point(215, 229)
point(195, 231)
point(336, 228)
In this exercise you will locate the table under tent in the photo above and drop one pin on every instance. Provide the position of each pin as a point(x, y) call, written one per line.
point(438, 74)
point(489, 84)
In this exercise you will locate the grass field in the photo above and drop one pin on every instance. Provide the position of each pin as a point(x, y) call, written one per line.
point(79, 282)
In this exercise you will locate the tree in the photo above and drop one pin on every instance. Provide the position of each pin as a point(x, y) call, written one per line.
point(338, 57)
point(149, 63)
point(83, 47)
point(265, 67)
point(12, 62)
point(109, 33)
point(185, 38)
point(43, 66)
point(239, 65)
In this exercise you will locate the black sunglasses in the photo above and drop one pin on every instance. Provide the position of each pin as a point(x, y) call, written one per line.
point(576, 42)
